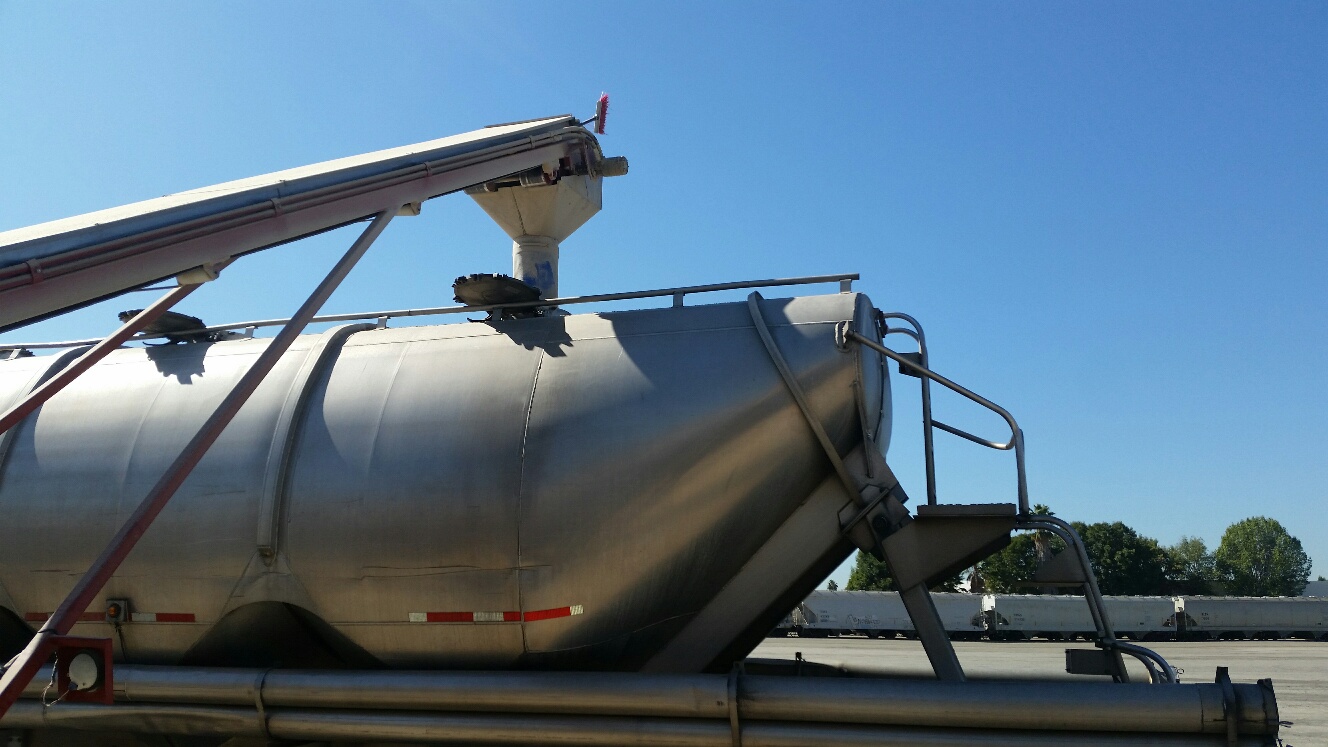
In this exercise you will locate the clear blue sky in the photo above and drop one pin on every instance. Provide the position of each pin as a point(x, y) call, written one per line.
point(1111, 218)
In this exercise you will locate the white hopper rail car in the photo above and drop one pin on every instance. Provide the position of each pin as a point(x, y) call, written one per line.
point(881, 614)
point(1208, 618)
point(1063, 617)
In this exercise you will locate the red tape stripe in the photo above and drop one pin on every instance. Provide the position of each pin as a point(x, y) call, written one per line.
point(449, 617)
point(534, 615)
point(41, 617)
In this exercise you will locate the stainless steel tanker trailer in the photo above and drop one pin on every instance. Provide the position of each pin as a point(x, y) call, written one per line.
point(541, 528)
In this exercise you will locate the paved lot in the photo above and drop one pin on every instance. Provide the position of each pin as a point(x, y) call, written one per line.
point(1299, 669)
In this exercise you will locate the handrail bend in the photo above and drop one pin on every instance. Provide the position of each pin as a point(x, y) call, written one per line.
point(1016, 441)
point(1159, 670)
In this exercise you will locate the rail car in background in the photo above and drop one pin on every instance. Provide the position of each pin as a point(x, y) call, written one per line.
point(1016, 617)
point(1064, 617)
point(881, 614)
point(1216, 618)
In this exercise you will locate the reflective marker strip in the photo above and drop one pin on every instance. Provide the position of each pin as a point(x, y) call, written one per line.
point(162, 617)
point(133, 617)
point(41, 617)
point(474, 617)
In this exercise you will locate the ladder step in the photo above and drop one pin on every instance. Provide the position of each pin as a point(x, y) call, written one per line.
point(967, 510)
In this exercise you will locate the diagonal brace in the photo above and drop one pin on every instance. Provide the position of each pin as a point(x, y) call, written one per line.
point(52, 386)
point(20, 671)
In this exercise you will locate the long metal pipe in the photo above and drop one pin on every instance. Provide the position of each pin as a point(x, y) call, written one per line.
point(24, 666)
point(439, 310)
point(1023, 705)
point(539, 730)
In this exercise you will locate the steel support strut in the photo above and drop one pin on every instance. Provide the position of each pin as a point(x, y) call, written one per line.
point(38, 396)
point(23, 667)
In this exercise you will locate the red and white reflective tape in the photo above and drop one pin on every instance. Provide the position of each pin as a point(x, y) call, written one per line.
point(161, 617)
point(494, 617)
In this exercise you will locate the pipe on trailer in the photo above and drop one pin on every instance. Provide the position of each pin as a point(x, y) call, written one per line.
point(1060, 706)
point(528, 730)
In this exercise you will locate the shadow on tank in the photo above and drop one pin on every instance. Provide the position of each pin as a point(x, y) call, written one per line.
point(546, 333)
point(276, 634)
point(184, 362)
point(14, 634)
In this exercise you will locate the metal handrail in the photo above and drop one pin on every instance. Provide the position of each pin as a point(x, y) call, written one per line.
point(928, 446)
point(1159, 670)
point(845, 281)
point(1016, 441)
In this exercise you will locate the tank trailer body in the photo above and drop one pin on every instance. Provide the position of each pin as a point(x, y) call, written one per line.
point(539, 528)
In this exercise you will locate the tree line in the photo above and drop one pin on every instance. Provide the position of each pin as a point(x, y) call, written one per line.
point(1257, 557)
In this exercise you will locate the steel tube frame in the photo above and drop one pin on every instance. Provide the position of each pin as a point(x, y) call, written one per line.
point(927, 437)
point(1016, 441)
point(1159, 670)
point(23, 667)
point(59, 381)
point(440, 310)
point(931, 633)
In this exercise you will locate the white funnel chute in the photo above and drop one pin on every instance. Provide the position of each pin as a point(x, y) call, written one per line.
point(538, 218)
point(542, 207)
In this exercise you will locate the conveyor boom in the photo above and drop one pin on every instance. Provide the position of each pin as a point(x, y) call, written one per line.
point(63, 264)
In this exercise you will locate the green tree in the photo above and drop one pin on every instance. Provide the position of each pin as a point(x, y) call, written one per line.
point(1008, 570)
point(1191, 568)
point(1124, 561)
point(870, 574)
point(1258, 557)
point(833, 585)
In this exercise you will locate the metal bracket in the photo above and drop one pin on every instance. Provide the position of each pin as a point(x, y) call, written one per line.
point(1230, 706)
point(68, 652)
point(735, 694)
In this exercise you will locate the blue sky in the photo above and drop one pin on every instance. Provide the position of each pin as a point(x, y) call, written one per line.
point(1110, 218)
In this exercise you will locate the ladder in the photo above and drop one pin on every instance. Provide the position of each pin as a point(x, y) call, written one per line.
point(943, 539)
